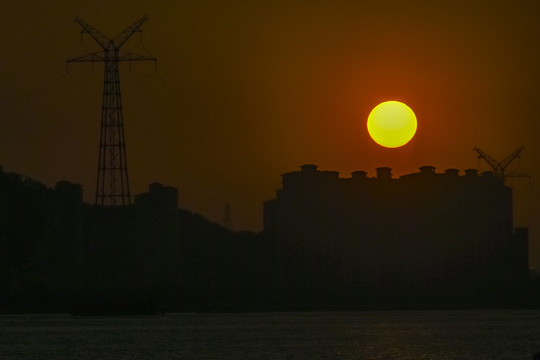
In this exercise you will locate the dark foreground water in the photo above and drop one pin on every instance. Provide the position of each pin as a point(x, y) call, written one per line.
point(347, 335)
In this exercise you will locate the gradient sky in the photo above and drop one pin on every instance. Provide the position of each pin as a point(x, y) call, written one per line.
point(245, 91)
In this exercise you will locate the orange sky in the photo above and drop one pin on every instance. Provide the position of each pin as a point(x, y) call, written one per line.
point(247, 90)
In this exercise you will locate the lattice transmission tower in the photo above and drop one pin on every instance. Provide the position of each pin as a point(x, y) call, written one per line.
point(112, 186)
point(500, 167)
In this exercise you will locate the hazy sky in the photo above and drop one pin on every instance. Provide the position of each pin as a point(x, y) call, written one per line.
point(245, 91)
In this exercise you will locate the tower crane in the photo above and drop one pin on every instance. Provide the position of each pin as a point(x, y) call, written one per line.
point(499, 167)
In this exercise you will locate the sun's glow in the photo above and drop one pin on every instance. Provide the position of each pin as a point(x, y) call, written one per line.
point(391, 124)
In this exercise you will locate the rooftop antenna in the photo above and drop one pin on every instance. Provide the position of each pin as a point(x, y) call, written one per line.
point(499, 167)
point(112, 181)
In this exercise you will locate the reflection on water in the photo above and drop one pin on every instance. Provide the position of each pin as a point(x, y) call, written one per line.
point(341, 335)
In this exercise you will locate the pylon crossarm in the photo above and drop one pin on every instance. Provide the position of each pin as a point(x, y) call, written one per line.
point(128, 56)
point(97, 56)
point(499, 167)
point(491, 161)
point(124, 36)
point(515, 174)
point(101, 39)
point(508, 160)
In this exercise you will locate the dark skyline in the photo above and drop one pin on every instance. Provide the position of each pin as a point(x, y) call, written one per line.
point(425, 241)
point(247, 91)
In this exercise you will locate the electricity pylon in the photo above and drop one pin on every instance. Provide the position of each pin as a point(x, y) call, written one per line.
point(499, 167)
point(112, 186)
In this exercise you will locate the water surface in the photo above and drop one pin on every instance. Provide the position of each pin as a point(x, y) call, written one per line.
point(330, 335)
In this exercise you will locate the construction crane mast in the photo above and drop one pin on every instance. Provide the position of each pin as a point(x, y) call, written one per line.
point(112, 181)
point(499, 167)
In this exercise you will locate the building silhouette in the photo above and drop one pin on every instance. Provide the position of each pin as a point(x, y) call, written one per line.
point(158, 238)
point(158, 208)
point(424, 239)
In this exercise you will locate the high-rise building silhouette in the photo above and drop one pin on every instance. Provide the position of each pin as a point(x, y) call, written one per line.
point(423, 235)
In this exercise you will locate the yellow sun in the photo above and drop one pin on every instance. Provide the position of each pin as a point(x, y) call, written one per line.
point(391, 124)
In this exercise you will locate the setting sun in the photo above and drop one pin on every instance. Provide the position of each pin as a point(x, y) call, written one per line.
point(391, 124)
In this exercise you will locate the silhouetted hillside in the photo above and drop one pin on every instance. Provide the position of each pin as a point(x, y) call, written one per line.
point(37, 253)
point(57, 252)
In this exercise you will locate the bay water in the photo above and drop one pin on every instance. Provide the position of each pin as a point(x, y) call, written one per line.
point(474, 334)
